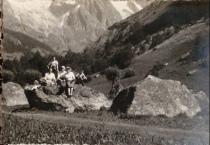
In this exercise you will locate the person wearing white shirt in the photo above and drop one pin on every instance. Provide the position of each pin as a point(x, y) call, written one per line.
point(50, 77)
point(70, 80)
point(54, 65)
point(62, 72)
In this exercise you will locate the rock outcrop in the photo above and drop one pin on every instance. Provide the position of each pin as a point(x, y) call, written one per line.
point(203, 101)
point(84, 98)
point(154, 96)
point(13, 96)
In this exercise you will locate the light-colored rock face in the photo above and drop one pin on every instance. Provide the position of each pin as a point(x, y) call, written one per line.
point(13, 95)
point(66, 24)
point(89, 99)
point(84, 98)
point(154, 96)
point(203, 101)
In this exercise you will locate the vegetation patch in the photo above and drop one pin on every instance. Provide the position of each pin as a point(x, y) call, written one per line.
point(19, 130)
point(129, 73)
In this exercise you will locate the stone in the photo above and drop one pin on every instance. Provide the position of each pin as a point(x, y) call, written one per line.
point(97, 75)
point(203, 101)
point(154, 96)
point(185, 56)
point(87, 98)
point(192, 72)
point(40, 100)
point(13, 96)
point(84, 98)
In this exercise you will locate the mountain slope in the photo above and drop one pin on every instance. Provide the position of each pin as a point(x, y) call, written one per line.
point(66, 24)
point(176, 33)
point(155, 18)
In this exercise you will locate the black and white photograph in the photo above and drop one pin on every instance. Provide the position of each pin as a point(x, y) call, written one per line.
point(104, 72)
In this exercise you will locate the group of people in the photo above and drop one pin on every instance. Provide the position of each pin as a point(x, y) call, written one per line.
point(65, 76)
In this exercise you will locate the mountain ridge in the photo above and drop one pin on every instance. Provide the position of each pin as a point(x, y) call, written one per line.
point(63, 25)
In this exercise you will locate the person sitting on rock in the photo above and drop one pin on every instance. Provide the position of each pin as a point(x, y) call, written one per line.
point(70, 81)
point(50, 77)
point(54, 65)
point(80, 77)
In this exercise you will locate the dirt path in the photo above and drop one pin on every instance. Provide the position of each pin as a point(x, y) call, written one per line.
point(141, 130)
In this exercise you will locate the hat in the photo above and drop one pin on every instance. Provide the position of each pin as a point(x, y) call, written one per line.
point(63, 67)
point(68, 67)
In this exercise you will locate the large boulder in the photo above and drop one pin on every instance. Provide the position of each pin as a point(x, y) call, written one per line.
point(89, 99)
point(154, 96)
point(203, 101)
point(84, 98)
point(13, 96)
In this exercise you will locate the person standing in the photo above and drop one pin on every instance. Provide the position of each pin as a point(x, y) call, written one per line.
point(54, 65)
point(70, 81)
point(62, 72)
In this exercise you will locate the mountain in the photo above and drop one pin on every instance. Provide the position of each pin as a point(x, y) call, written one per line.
point(175, 33)
point(63, 24)
point(155, 19)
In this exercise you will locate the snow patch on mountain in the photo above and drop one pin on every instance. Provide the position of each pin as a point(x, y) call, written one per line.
point(138, 6)
point(72, 2)
point(123, 8)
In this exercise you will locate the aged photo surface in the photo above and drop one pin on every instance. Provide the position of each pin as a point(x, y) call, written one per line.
point(117, 72)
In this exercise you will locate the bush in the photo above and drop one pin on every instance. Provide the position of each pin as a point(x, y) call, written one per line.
point(8, 76)
point(112, 75)
point(129, 73)
point(31, 75)
point(123, 58)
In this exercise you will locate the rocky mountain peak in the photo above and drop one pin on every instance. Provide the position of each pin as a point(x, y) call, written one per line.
point(66, 24)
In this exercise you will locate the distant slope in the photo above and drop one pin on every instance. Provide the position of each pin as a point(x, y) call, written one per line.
point(170, 52)
point(164, 32)
point(152, 19)
point(17, 44)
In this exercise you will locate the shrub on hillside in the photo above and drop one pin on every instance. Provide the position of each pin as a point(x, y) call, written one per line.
point(31, 75)
point(112, 75)
point(123, 58)
point(129, 73)
point(8, 76)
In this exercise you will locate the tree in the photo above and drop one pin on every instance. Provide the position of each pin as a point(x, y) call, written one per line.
point(112, 75)
point(123, 58)
point(8, 76)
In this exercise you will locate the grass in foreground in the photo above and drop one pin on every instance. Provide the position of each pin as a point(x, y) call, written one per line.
point(198, 122)
point(18, 130)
